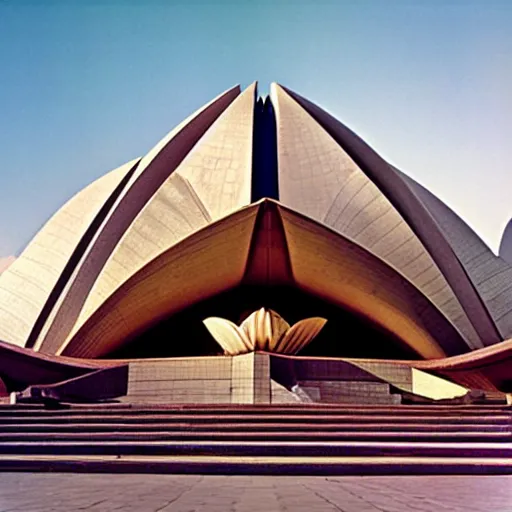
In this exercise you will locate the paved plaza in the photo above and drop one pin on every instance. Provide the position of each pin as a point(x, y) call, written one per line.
point(42, 492)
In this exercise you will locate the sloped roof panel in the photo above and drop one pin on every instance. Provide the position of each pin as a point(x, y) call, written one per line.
point(27, 284)
point(318, 178)
point(151, 173)
point(490, 274)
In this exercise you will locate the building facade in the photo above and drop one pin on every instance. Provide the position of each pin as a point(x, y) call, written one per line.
point(260, 252)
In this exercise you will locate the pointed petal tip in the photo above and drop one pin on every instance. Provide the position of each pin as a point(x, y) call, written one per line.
point(318, 319)
point(228, 335)
point(275, 90)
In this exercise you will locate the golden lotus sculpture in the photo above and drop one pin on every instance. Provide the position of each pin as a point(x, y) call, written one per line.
point(263, 330)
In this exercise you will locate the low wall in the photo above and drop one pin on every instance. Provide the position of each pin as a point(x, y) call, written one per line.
point(267, 378)
point(289, 371)
point(222, 380)
point(187, 380)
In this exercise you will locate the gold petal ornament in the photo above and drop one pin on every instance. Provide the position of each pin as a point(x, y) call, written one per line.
point(263, 330)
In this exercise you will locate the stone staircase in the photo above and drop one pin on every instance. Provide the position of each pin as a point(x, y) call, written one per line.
point(308, 439)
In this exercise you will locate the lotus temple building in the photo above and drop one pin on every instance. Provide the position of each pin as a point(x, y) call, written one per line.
point(260, 253)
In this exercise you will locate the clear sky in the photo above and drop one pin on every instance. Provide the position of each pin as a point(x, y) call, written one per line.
point(88, 85)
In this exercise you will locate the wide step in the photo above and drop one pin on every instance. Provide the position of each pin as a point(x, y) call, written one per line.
point(261, 448)
point(318, 419)
point(339, 466)
point(460, 437)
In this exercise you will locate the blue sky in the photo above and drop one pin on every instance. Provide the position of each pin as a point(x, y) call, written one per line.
point(87, 85)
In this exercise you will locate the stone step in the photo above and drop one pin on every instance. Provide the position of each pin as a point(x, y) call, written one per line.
point(260, 418)
point(333, 466)
point(262, 448)
point(254, 427)
point(239, 409)
point(403, 436)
